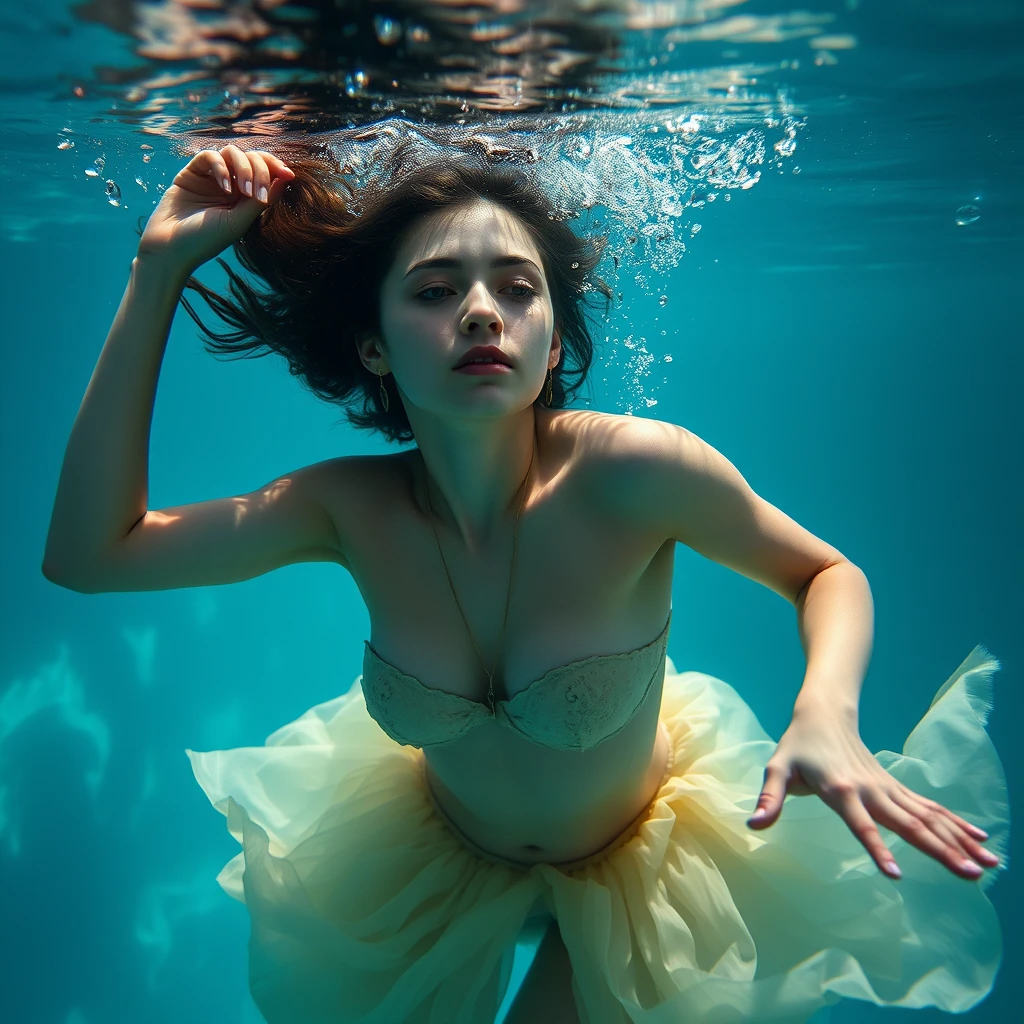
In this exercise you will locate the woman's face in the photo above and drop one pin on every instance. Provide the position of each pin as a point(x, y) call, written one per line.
point(491, 290)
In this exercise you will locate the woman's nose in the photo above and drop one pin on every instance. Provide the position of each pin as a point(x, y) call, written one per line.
point(481, 313)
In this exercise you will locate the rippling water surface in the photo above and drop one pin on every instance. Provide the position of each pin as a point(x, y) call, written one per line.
point(645, 112)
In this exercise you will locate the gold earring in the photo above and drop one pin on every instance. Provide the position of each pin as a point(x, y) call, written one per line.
point(547, 397)
point(383, 392)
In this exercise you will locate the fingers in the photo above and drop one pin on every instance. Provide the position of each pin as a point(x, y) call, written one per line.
point(961, 846)
point(207, 163)
point(905, 814)
point(250, 173)
point(973, 830)
point(862, 825)
point(773, 792)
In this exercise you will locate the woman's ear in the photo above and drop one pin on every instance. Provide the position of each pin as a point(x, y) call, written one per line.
point(555, 354)
point(370, 352)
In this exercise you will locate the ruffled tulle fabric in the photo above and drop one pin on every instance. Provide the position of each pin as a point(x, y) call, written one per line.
point(367, 907)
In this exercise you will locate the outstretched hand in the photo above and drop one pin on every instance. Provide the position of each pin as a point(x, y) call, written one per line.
point(822, 753)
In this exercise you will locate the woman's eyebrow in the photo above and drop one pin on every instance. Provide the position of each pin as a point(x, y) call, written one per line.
point(448, 263)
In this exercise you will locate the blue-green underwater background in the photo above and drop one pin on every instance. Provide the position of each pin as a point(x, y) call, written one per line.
point(850, 346)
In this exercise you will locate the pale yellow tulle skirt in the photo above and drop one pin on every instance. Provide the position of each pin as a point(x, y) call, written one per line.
point(367, 907)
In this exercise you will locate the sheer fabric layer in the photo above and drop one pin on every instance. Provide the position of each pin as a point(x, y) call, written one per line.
point(366, 907)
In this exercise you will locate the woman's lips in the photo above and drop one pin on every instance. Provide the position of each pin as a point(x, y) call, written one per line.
point(483, 368)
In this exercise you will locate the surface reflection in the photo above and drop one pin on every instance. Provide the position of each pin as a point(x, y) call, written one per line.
point(273, 65)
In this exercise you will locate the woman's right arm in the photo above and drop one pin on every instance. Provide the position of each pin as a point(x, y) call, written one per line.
point(102, 535)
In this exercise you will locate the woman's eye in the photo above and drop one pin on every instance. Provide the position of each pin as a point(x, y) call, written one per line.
point(526, 290)
point(529, 289)
point(432, 288)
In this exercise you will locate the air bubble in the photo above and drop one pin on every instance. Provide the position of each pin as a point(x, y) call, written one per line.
point(662, 300)
point(967, 214)
point(65, 144)
point(356, 82)
point(113, 192)
point(388, 30)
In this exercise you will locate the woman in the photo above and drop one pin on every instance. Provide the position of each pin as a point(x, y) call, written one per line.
point(521, 752)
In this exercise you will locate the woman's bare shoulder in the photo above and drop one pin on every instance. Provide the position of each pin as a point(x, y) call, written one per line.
point(611, 442)
point(618, 459)
point(359, 490)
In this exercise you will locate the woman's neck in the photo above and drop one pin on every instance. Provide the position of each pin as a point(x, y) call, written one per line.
point(476, 472)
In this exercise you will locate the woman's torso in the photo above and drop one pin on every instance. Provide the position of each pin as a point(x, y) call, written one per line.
point(587, 581)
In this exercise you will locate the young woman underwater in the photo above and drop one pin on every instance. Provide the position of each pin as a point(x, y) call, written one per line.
point(521, 752)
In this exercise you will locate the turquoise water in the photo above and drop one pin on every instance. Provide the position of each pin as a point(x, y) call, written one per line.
point(846, 331)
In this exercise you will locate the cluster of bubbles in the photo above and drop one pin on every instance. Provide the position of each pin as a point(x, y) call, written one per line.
point(642, 178)
point(95, 170)
point(650, 173)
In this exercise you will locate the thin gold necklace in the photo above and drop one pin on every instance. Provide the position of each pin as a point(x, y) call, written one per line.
point(511, 574)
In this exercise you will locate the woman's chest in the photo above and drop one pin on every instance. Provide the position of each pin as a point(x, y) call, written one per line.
point(583, 584)
point(580, 585)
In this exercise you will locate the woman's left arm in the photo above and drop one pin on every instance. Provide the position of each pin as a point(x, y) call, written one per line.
point(685, 489)
point(821, 752)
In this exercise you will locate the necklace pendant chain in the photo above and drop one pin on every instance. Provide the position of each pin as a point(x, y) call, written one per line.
point(511, 575)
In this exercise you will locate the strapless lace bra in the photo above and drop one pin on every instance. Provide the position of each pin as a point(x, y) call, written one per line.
point(571, 707)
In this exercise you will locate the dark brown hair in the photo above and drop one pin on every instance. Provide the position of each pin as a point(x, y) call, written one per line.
point(323, 255)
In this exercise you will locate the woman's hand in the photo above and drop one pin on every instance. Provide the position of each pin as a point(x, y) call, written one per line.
point(211, 204)
point(822, 753)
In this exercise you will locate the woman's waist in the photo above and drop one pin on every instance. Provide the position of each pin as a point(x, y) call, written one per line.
point(569, 817)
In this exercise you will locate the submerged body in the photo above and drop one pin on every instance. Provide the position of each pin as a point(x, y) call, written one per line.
point(583, 586)
point(670, 901)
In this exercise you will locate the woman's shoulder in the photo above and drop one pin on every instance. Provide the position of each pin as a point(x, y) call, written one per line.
point(601, 456)
point(618, 462)
point(609, 444)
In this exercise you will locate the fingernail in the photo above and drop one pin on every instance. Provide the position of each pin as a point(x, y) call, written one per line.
point(979, 832)
point(248, 188)
point(263, 193)
point(971, 868)
point(988, 857)
point(225, 184)
point(757, 815)
point(893, 868)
